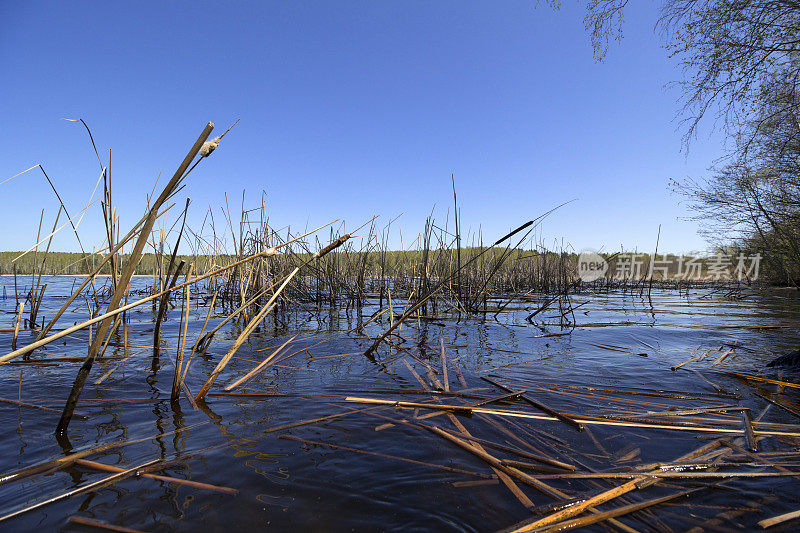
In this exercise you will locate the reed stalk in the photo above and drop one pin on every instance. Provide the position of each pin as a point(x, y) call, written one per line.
point(21, 307)
point(125, 278)
point(177, 381)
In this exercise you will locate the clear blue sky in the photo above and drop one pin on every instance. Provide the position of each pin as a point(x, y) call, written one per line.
point(350, 109)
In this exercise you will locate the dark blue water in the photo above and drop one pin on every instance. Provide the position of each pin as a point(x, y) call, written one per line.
point(619, 342)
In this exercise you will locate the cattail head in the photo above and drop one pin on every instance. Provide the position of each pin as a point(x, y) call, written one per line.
point(209, 146)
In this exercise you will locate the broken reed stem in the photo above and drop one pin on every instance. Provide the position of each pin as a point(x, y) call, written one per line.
point(192, 352)
point(445, 379)
point(117, 322)
point(537, 404)
point(619, 511)
point(501, 474)
point(243, 337)
point(56, 463)
point(769, 522)
point(110, 480)
point(259, 367)
point(580, 419)
point(496, 463)
point(176, 382)
point(162, 309)
point(101, 525)
point(23, 254)
point(748, 431)
point(20, 403)
point(125, 278)
point(67, 460)
point(204, 486)
point(34, 287)
point(204, 340)
point(662, 474)
point(598, 499)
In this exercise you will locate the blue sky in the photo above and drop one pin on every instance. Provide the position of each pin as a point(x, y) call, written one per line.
point(350, 109)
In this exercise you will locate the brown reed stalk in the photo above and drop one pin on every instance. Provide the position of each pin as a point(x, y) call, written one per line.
point(496, 463)
point(166, 479)
point(251, 326)
point(176, 382)
point(192, 352)
point(162, 308)
point(38, 295)
point(114, 327)
point(260, 366)
point(619, 511)
point(125, 278)
point(445, 379)
point(83, 521)
point(164, 301)
point(458, 240)
point(205, 339)
point(110, 480)
point(608, 495)
point(16, 326)
point(539, 405)
point(34, 289)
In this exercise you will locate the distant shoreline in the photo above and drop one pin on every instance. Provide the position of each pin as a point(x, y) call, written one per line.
point(70, 275)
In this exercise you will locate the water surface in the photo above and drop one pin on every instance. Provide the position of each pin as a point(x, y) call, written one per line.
point(621, 341)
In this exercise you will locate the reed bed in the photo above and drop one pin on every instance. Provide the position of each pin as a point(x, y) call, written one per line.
point(246, 275)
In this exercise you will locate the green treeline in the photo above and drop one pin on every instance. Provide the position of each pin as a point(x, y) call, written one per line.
point(74, 264)
point(725, 265)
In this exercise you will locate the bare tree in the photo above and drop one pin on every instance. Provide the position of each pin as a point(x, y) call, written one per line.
point(728, 49)
point(741, 65)
point(753, 199)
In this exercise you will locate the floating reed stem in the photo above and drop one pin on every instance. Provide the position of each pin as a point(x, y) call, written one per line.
point(386, 456)
point(594, 501)
point(775, 520)
point(497, 463)
point(203, 486)
point(619, 511)
point(580, 419)
point(539, 405)
point(110, 480)
point(445, 379)
point(101, 525)
point(259, 367)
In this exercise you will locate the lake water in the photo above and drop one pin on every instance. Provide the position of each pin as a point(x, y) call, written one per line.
point(621, 343)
